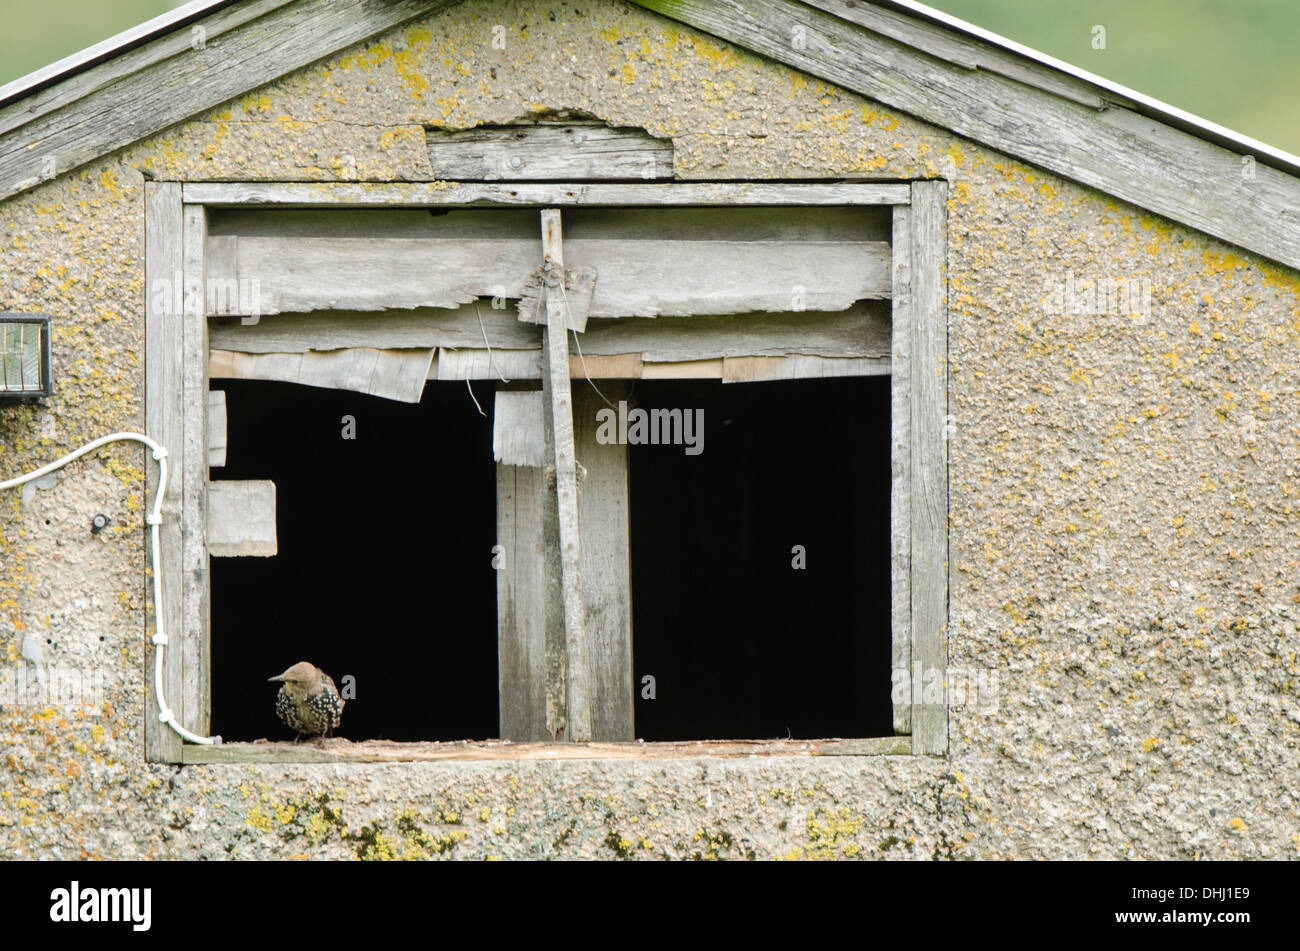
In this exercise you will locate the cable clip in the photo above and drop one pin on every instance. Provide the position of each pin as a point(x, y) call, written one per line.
point(152, 519)
point(160, 639)
point(160, 453)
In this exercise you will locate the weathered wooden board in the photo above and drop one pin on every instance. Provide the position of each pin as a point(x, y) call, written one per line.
point(222, 292)
point(216, 428)
point(164, 340)
point(1116, 150)
point(392, 374)
point(643, 265)
point(152, 42)
point(762, 369)
point(684, 370)
point(550, 152)
point(699, 261)
point(469, 194)
point(929, 461)
point(170, 80)
point(579, 285)
point(241, 519)
point(500, 366)
point(525, 365)
point(603, 508)
point(338, 750)
point(418, 329)
point(617, 366)
point(372, 260)
point(517, 428)
point(860, 331)
point(192, 640)
point(900, 468)
point(966, 51)
point(523, 673)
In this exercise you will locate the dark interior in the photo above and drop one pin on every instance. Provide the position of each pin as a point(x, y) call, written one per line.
point(384, 571)
point(742, 645)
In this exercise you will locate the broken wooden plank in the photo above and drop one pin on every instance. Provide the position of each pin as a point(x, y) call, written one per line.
point(216, 428)
point(419, 329)
point(467, 194)
point(241, 519)
point(392, 374)
point(579, 285)
point(761, 369)
point(517, 428)
point(557, 152)
point(860, 331)
point(303, 261)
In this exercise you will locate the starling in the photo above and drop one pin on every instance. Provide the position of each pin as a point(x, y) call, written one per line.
point(308, 703)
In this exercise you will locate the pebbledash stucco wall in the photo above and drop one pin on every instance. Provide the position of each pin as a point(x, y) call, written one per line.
point(1124, 496)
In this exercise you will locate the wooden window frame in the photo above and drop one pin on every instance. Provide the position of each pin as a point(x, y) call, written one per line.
point(177, 406)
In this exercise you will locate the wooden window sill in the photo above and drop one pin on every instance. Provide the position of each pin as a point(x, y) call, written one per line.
point(384, 751)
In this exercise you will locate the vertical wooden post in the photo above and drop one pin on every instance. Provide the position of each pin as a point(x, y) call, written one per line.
point(900, 467)
point(556, 374)
point(191, 642)
point(929, 461)
point(164, 341)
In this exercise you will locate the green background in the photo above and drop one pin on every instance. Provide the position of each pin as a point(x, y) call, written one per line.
point(1232, 61)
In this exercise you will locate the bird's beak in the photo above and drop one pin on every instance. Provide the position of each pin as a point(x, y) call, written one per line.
point(279, 677)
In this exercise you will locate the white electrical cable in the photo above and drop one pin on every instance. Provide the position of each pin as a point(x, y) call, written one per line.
point(153, 520)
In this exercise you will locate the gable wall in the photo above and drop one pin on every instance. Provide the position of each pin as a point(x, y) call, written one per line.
point(1123, 496)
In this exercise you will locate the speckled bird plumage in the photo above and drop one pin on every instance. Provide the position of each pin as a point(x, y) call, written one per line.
point(308, 702)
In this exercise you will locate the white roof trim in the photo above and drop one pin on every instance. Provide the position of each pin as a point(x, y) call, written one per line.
point(107, 49)
point(1187, 121)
